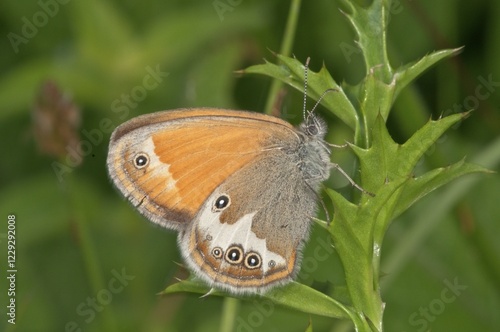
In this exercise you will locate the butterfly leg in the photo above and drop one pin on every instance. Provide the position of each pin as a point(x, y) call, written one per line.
point(354, 184)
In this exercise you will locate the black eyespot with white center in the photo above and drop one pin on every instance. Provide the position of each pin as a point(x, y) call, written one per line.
point(141, 160)
point(272, 264)
point(217, 252)
point(252, 261)
point(234, 255)
point(221, 203)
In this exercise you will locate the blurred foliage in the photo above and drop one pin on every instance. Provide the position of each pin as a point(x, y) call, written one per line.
point(75, 234)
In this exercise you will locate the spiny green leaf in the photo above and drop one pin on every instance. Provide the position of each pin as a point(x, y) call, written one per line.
point(376, 92)
point(351, 235)
point(406, 74)
point(376, 162)
point(308, 300)
point(386, 170)
point(418, 187)
point(370, 24)
point(415, 147)
point(386, 160)
point(291, 72)
point(376, 99)
point(282, 73)
point(343, 219)
point(380, 209)
point(294, 295)
point(429, 218)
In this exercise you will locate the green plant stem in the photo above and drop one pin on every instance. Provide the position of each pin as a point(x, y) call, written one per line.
point(285, 49)
point(228, 316)
point(366, 298)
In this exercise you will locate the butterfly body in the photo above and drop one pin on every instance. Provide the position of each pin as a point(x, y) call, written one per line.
point(239, 187)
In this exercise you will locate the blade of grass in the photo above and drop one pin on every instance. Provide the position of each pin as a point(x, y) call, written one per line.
point(87, 247)
point(286, 49)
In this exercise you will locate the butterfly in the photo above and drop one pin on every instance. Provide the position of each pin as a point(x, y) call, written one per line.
point(239, 187)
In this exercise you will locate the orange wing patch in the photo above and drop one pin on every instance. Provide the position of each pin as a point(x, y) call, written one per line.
point(202, 155)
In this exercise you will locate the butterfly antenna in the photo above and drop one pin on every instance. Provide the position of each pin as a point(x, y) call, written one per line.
point(322, 96)
point(306, 69)
point(304, 110)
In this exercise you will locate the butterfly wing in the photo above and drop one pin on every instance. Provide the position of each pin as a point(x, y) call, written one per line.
point(168, 163)
point(229, 181)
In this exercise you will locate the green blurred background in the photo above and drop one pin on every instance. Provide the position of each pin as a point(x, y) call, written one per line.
point(78, 240)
